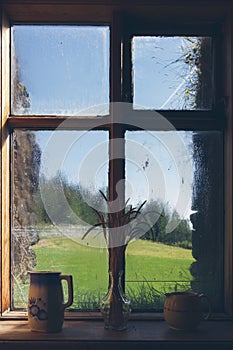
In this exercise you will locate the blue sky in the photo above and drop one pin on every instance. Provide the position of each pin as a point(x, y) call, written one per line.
point(65, 70)
point(158, 164)
point(158, 72)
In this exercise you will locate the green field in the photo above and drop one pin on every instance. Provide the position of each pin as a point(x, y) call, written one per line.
point(151, 270)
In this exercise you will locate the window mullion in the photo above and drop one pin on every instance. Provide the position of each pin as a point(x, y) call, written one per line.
point(116, 146)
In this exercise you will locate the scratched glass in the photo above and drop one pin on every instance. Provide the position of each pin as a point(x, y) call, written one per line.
point(60, 70)
point(172, 73)
point(46, 230)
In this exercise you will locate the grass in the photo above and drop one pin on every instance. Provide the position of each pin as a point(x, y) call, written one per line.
point(152, 269)
point(148, 248)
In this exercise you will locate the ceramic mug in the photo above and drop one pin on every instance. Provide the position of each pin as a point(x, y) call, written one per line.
point(184, 310)
point(45, 301)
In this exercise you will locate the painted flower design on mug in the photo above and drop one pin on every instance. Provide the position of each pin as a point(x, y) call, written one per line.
point(37, 311)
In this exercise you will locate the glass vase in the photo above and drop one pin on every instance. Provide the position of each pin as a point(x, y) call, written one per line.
point(115, 307)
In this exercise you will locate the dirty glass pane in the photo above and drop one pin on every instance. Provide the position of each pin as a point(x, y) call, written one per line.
point(60, 70)
point(180, 175)
point(173, 171)
point(53, 189)
point(172, 73)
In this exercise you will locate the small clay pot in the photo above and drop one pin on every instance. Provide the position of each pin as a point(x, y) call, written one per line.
point(184, 310)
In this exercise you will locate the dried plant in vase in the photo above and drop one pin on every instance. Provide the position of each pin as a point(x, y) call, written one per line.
point(119, 228)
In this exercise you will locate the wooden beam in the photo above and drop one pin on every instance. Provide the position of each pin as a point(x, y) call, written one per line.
point(54, 122)
point(5, 184)
point(101, 10)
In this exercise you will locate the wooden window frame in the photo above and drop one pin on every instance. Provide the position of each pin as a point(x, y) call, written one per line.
point(58, 11)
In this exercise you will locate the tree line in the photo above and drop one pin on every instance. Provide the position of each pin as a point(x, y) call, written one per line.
point(181, 235)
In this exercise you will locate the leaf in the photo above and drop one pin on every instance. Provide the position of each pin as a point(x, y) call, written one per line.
point(117, 219)
point(90, 229)
point(102, 193)
point(141, 206)
point(100, 216)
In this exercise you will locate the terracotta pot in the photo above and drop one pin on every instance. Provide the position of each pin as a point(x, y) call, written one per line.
point(184, 310)
point(45, 301)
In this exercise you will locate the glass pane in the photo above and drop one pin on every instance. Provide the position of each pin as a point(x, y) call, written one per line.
point(172, 73)
point(60, 70)
point(51, 196)
point(180, 174)
point(171, 257)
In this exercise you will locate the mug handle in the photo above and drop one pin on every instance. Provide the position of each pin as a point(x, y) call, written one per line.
point(204, 297)
point(69, 280)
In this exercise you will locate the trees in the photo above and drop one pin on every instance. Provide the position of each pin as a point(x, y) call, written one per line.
point(74, 196)
point(181, 235)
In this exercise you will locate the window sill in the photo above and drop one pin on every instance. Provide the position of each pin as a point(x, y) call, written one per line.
point(140, 334)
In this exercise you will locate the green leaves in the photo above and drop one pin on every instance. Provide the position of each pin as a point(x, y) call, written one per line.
point(125, 222)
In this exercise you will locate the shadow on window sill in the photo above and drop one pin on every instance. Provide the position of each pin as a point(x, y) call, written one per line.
point(91, 334)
